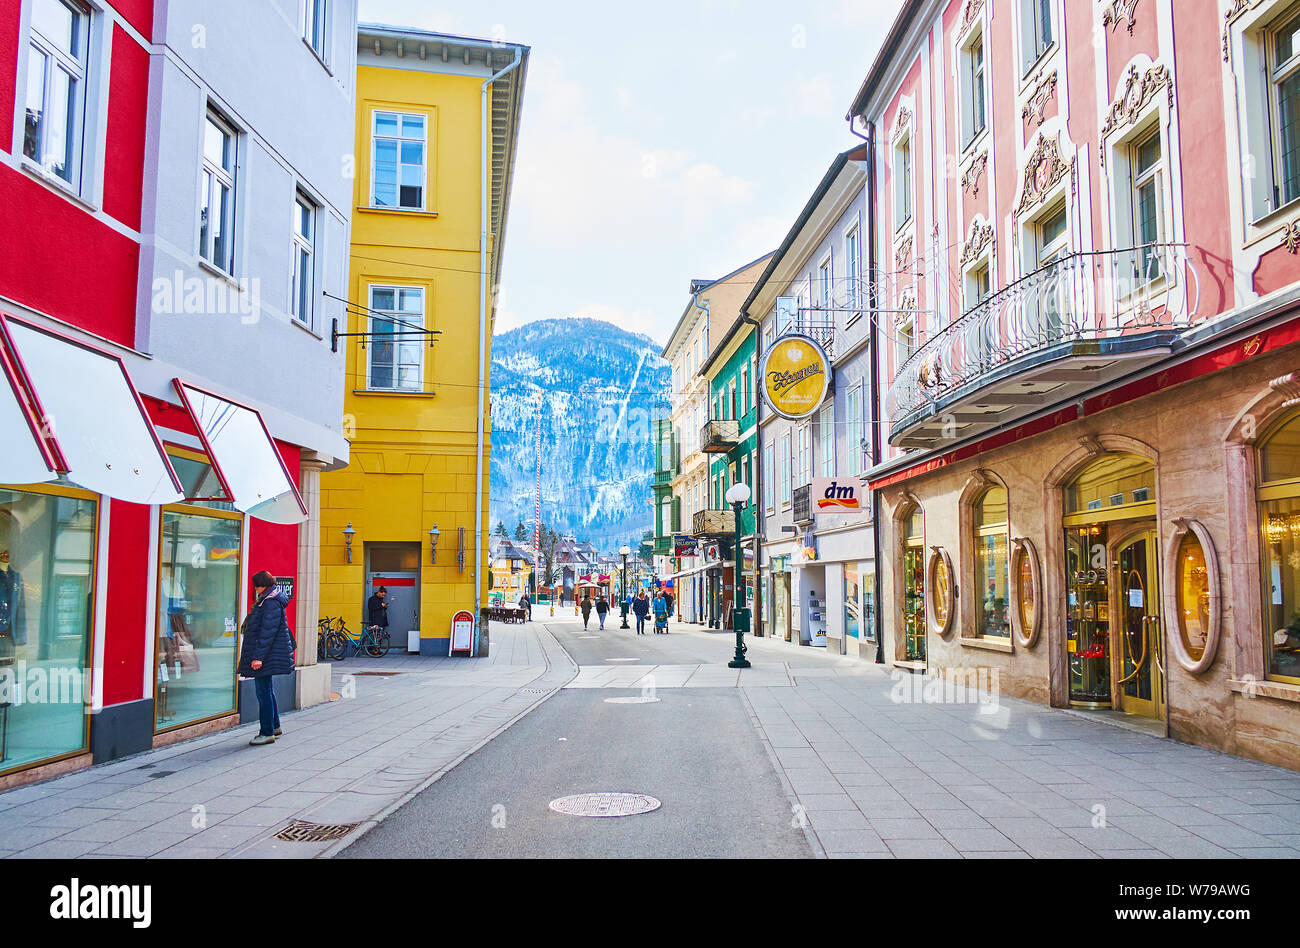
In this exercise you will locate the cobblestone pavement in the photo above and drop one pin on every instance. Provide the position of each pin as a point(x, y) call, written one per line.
point(350, 761)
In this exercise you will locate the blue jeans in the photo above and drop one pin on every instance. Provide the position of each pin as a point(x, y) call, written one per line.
point(640, 624)
point(602, 619)
point(267, 710)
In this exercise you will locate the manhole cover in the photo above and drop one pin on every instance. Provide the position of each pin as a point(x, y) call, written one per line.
point(605, 804)
point(300, 831)
point(161, 773)
point(636, 699)
point(374, 674)
point(622, 659)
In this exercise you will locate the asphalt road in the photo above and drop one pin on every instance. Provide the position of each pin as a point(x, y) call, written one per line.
point(679, 647)
point(695, 750)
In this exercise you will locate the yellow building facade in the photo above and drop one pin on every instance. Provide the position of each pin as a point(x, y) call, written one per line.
point(409, 511)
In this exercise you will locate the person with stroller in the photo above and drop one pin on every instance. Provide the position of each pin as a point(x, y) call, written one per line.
point(641, 608)
point(661, 613)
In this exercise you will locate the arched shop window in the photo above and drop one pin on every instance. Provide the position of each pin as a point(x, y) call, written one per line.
point(1278, 495)
point(914, 586)
point(992, 566)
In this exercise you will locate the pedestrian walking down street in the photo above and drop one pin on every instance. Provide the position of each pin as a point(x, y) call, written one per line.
point(641, 607)
point(267, 651)
point(661, 613)
point(585, 606)
point(602, 609)
point(526, 603)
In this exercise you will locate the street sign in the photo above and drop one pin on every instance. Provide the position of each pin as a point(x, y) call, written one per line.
point(462, 633)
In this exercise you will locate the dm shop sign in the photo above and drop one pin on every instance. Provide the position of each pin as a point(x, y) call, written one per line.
point(796, 376)
point(837, 494)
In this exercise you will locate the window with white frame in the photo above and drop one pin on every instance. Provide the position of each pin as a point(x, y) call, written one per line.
point(785, 473)
point(769, 495)
point(826, 427)
point(804, 296)
point(852, 267)
point(398, 165)
point(744, 390)
point(853, 425)
point(1035, 30)
point(396, 346)
point(732, 406)
point(804, 472)
point(978, 285)
point(301, 273)
point(1282, 54)
point(315, 25)
point(902, 183)
point(217, 194)
point(1051, 237)
point(824, 283)
point(55, 102)
point(905, 335)
point(972, 86)
point(1146, 170)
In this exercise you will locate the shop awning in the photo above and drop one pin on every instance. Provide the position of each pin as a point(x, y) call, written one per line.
point(70, 410)
point(243, 456)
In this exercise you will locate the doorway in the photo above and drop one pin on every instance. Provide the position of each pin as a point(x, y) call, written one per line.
point(1114, 634)
point(395, 567)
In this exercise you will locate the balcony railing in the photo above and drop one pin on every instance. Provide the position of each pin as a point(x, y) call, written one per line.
point(719, 436)
point(713, 523)
point(1081, 298)
point(801, 509)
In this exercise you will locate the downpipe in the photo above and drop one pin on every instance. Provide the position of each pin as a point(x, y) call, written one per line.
point(484, 204)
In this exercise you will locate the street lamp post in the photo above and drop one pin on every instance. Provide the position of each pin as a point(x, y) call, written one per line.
point(624, 551)
point(738, 496)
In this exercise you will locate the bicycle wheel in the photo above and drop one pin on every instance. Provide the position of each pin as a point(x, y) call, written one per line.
point(385, 642)
point(337, 649)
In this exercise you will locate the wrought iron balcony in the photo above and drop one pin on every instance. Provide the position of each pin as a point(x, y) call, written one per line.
point(713, 523)
point(1081, 321)
point(719, 436)
point(801, 509)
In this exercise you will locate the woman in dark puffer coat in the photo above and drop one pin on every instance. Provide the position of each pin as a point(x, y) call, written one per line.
point(267, 651)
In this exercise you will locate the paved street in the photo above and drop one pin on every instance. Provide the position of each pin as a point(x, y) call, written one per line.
point(805, 754)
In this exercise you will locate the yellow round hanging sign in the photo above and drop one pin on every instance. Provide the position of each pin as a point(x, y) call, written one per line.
point(796, 376)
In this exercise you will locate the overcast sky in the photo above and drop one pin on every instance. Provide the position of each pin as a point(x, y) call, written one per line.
point(660, 142)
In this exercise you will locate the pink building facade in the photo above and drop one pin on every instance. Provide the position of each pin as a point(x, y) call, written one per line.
point(1085, 259)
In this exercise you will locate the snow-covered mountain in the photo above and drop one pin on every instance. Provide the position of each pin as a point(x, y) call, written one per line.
point(596, 389)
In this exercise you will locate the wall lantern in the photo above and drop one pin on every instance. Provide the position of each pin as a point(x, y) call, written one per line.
point(348, 534)
point(433, 543)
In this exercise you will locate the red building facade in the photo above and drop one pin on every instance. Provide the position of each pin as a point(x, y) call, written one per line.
point(1086, 251)
point(137, 495)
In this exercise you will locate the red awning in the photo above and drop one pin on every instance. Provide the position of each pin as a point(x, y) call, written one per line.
point(69, 410)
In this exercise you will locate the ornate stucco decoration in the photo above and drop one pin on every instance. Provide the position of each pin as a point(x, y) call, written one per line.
point(1118, 10)
point(1234, 13)
point(1043, 93)
point(903, 121)
point(970, 181)
point(981, 235)
point(1288, 386)
point(903, 253)
point(969, 14)
point(1044, 171)
point(1291, 236)
point(1138, 91)
point(907, 303)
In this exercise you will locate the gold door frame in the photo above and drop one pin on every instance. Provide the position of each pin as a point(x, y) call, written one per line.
point(1156, 657)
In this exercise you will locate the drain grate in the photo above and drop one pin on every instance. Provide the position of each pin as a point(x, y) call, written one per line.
point(535, 691)
point(637, 699)
point(301, 831)
point(622, 659)
point(605, 804)
point(374, 674)
point(161, 773)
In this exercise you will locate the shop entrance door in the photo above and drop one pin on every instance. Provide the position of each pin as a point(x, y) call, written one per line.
point(403, 602)
point(782, 602)
point(1140, 644)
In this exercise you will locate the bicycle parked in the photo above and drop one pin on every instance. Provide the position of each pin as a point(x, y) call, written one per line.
point(372, 640)
point(331, 644)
